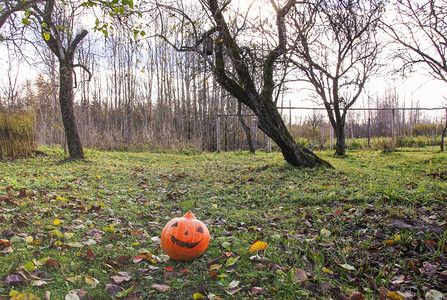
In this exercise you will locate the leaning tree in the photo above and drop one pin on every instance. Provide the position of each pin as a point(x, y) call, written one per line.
point(245, 56)
point(336, 49)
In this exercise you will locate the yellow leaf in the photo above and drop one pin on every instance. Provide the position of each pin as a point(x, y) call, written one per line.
point(258, 246)
point(29, 239)
point(197, 296)
point(231, 261)
point(56, 222)
point(24, 296)
point(393, 295)
point(91, 282)
point(215, 267)
point(68, 235)
point(347, 267)
point(326, 270)
point(29, 267)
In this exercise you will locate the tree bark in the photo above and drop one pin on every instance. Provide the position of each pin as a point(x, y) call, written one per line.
point(66, 101)
point(340, 146)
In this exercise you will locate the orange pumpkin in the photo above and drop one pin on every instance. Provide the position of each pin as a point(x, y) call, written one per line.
point(185, 238)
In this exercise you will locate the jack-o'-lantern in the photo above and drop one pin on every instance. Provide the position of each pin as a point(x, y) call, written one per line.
point(185, 238)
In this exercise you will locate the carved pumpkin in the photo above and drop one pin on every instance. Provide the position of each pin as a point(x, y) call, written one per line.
point(185, 238)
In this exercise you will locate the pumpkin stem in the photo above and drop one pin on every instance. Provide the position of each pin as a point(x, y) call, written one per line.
point(189, 215)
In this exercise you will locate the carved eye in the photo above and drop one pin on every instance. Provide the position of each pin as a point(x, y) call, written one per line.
point(186, 232)
point(200, 229)
point(174, 225)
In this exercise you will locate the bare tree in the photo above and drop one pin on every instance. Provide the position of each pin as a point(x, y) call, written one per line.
point(336, 49)
point(421, 28)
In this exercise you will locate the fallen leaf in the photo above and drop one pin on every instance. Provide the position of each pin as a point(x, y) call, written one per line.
point(14, 279)
point(76, 279)
point(169, 268)
point(443, 276)
point(24, 296)
point(161, 287)
point(29, 267)
point(75, 245)
point(90, 254)
point(231, 261)
point(113, 289)
point(39, 283)
point(137, 233)
point(72, 296)
point(124, 259)
point(124, 293)
point(213, 275)
point(234, 284)
point(326, 270)
point(215, 267)
point(233, 291)
point(347, 267)
point(433, 295)
point(258, 246)
point(394, 296)
point(198, 296)
point(91, 282)
point(258, 291)
point(52, 263)
point(144, 256)
point(121, 277)
point(299, 276)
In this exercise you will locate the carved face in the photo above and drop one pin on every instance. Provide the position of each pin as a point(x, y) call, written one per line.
point(185, 238)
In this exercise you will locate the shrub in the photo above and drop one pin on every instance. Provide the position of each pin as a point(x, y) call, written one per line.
point(17, 134)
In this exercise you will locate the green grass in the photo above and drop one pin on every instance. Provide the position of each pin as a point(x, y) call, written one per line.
point(353, 228)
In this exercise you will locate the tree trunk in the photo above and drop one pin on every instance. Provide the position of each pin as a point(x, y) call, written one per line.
point(272, 124)
point(66, 101)
point(340, 146)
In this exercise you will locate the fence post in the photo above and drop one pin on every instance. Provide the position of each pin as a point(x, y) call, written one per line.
point(256, 135)
point(393, 135)
point(331, 137)
point(218, 133)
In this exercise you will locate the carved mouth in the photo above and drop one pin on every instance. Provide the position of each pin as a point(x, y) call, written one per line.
point(183, 244)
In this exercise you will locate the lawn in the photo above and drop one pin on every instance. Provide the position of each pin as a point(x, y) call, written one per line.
point(374, 226)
